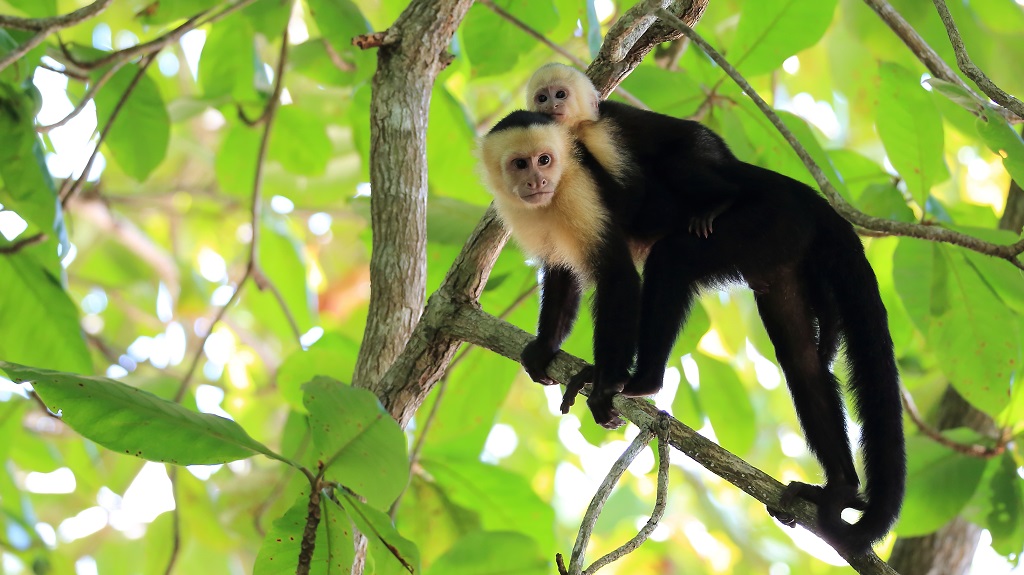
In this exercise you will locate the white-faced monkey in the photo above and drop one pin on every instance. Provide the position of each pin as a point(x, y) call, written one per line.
point(667, 178)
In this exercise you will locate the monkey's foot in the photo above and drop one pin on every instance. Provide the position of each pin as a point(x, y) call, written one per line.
point(535, 358)
point(643, 385)
point(605, 414)
point(829, 499)
point(576, 383)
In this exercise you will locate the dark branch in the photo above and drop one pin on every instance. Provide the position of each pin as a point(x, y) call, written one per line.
point(23, 243)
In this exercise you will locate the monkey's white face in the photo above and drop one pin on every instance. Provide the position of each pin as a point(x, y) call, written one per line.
point(564, 93)
point(533, 176)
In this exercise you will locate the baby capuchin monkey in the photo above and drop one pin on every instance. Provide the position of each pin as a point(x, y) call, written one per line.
point(658, 181)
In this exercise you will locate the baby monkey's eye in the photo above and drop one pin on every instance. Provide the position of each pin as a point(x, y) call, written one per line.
point(560, 94)
point(544, 159)
point(519, 163)
point(542, 98)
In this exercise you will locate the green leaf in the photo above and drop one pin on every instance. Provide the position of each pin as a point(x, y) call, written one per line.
point(940, 481)
point(998, 505)
point(299, 141)
point(235, 163)
point(129, 420)
point(282, 260)
point(727, 404)
point(885, 201)
point(492, 553)
point(974, 340)
point(958, 95)
point(772, 30)
point(227, 62)
point(392, 553)
point(35, 8)
point(664, 91)
point(495, 45)
point(165, 11)
point(340, 21)
point(38, 322)
point(451, 142)
point(333, 355)
point(269, 17)
point(1001, 138)
point(333, 554)
point(140, 134)
point(360, 444)
point(910, 127)
point(503, 500)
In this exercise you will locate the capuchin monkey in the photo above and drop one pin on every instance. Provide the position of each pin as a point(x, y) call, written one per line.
point(812, 284)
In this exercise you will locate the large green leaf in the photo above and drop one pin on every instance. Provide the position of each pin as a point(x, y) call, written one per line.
point(129, 420)
point(299, 141)
point(333, 355)
point(910, 127)
point(340, 21)
point(140, 134)
point(391, 552)
point(164, 11)
point(226, 66)
point(504, 500)
point(1004, 140)
point(333, 554)
point(772, 30)
point(235, 164)
point(360, 444)
point(727, 403)
point(450, 148)
point(38, 322)
point(974, 340)
point(940, 481)
point(998, 505)
point(27, 186)
point(494, 45)
point(492, 553)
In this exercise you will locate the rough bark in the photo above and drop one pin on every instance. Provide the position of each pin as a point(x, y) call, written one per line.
point(408, 63)
point(950, 550)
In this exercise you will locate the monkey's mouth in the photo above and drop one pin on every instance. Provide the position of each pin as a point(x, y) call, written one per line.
point(536, 197)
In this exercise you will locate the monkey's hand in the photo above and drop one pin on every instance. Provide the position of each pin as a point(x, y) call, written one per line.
point(576, 383)
point(600, 403)
point(830, 499)
point(535, 358)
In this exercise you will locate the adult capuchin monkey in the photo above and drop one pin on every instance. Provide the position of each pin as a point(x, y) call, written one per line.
point(812, 284)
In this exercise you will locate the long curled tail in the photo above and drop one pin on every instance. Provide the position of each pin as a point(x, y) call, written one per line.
point(873, 382)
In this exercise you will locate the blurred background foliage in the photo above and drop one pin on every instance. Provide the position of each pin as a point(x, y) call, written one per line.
point(126, 280)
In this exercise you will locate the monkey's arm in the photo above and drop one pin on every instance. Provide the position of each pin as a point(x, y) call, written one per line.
point(559, 304)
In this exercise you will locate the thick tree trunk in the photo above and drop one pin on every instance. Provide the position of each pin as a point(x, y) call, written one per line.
point(407, 65)
point(949, 550)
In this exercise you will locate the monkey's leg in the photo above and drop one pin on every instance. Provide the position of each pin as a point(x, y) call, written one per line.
point(785, 310)
point(616, 310)
point(559, 304)
point(669, 288)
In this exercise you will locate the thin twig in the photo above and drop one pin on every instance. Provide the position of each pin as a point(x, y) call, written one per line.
point(70, 74)
point(659, 505)
point(579, 63)
point(160, 42)
point(971, 449)
point(54, 23)
point(934, 233)
point(175, 522)
point(23, 243)
point(967, 66)
point(90, 93)
point(264, 283)
point(13, 56)
point(68, 191)
point(604, 491)
point(256, 211)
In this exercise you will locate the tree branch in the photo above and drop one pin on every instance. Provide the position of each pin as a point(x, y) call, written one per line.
point(933, 233)
point(972, 71)
point(54, 23)
point(23, 243)
point(43, 27)
point(90, 93)
point(969, 449)
point(468, 323)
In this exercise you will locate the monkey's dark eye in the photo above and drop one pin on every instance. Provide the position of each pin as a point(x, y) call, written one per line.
point(544, 159)
point(542, 98)
point(561, 94)
point(519, 163)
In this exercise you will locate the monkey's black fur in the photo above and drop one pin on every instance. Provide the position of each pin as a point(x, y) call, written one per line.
point(813, 287)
